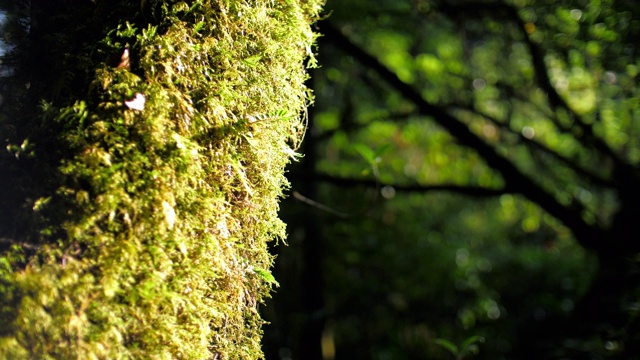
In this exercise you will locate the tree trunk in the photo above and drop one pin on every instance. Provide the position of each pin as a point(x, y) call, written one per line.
point(149, 186)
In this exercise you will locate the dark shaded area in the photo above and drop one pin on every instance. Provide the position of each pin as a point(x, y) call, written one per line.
point(33, 90)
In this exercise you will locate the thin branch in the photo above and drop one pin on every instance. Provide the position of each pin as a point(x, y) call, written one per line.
point(320, 206)
point(517, 182)
point(475, 191)
point(516, 93)
point(585, 173)
point(375, 183)
point(556, 101)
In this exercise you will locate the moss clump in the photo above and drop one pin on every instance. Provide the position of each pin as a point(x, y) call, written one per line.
point(152, 242)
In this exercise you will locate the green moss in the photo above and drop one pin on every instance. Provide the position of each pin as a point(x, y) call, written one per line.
point(154, 242)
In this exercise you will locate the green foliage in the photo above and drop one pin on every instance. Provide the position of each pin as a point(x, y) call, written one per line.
point(419, 268)
point(152, 241)
point(469, 346)
point(530, 103)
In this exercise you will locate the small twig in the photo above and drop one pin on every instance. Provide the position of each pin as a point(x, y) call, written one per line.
point(320, 206)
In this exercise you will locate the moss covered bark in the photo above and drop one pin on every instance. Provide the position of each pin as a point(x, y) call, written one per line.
point(146, 163)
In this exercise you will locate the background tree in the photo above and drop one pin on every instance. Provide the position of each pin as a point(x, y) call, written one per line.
point(146, 147)
point(504, 137)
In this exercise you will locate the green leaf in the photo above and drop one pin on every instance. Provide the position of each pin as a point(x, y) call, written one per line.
point(149, 32)
point(127, 31)
point(469, 346)
point(265, 275)
point(453, 349)
point(367, 154)
point(199, 26)
point(471, 341)
point(382, 149)
point(252, 60)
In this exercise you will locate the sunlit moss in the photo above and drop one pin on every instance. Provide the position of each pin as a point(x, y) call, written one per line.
point(169, 192)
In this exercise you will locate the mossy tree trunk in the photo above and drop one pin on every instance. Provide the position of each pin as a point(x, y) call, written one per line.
point(147, 144)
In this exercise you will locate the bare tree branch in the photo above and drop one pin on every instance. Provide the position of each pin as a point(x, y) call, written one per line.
point(585, 173)
point(475, 191)
point(515, 180)
point(583, 131)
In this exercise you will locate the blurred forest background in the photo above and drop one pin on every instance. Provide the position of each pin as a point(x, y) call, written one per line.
point(468, 185)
